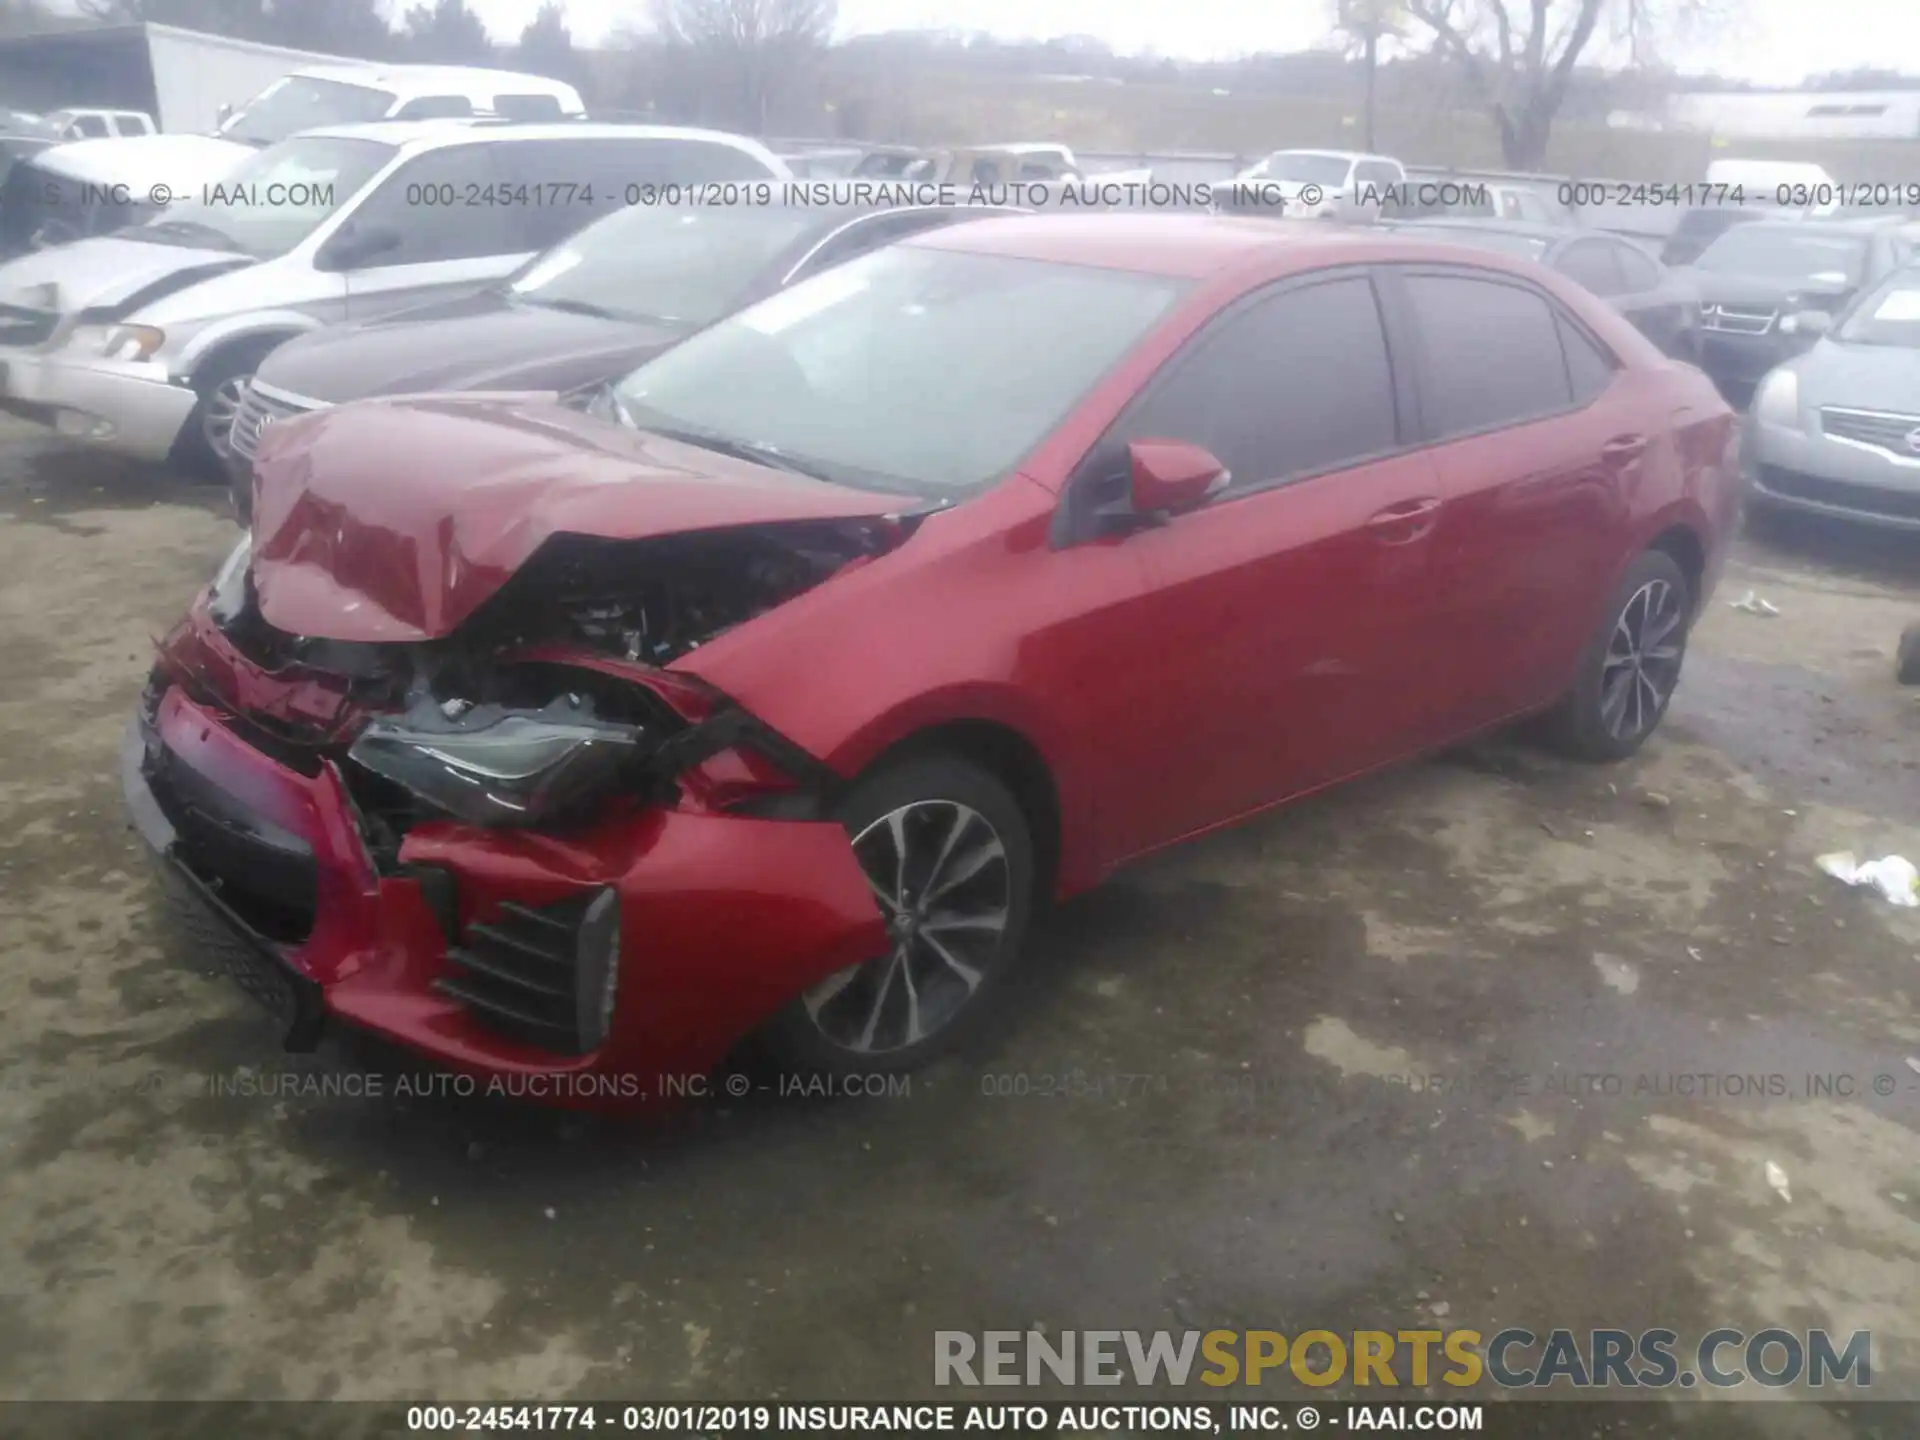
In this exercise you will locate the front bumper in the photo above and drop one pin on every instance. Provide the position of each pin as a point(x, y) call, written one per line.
point(133, 409)
point(1739, 362)
point(1806, 471)
point(723, 919)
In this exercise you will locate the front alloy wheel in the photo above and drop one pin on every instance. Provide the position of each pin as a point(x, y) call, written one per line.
point(947, 855)
point(217, 412)
point(939, 871)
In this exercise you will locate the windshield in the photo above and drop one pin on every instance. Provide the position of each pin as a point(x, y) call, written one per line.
point(1304, 167)
point(1889, 315)
point(300, 102)
point(675, 266)
point(1787, 252)
point(274, 200)
point(921, 371)
point(1505, 241)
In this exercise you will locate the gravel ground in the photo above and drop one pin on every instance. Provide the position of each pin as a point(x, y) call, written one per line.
point(1411, 1049)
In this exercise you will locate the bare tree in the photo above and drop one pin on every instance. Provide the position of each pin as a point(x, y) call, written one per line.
point(1366, 23)
point(751, 48)
point(1518, 56)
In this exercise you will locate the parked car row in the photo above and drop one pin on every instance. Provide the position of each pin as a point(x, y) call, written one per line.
point(694, 675)
point(143, 341)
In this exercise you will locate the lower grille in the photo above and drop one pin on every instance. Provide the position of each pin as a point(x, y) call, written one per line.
point(521, 974)
point(255, 414)
point(1894, 434)
point(268, 878)
point(1866, 499)
point(1730, 320)
point(211, 940)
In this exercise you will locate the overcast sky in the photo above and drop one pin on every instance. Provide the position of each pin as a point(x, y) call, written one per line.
point(1774, 42)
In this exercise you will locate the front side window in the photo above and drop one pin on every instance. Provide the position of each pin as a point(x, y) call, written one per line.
point(274, 200)
point(1296, 385)
point(427, 203)
point(301, 102)
point(916, 370)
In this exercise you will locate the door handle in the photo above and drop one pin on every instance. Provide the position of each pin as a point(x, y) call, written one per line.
point(1406, 521)
point(1623, 448)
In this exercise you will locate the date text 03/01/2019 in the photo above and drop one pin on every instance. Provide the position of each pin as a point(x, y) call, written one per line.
point(1215, 1418)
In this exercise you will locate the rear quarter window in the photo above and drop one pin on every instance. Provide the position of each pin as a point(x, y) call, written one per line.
point(1491, 353)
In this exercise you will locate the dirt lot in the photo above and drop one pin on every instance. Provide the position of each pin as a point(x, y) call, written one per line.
point(1367, 1021)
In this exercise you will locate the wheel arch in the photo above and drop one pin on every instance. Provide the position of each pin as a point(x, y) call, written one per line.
point(1681, 543)
point(1013, 759)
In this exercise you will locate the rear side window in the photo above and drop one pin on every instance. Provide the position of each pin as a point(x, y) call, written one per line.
point(665, 162)
point(92, 127)
point(1492, 352)
point(1296, 385)
point(1591, 263)
point(528, 107)
point(1589, 368)
point(434, 107)
point(1641, 271)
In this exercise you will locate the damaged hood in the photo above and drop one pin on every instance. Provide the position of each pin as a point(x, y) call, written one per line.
point(395, 520)
point(106, 272)
point(482, 341)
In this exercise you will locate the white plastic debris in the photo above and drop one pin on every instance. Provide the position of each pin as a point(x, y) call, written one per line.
point(1777, 1178)
point(1892, 875)
point(1754, 605)
point(1913, 1065)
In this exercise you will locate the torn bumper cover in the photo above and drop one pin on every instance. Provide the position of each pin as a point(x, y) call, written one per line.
point(610, 960)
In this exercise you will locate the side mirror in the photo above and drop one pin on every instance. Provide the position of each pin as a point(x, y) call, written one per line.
point(1811, 324)
point(223, 114)
point(1172, 476)
point(352, 247)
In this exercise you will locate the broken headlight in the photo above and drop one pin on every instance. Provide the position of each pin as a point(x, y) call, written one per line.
point(491, 766)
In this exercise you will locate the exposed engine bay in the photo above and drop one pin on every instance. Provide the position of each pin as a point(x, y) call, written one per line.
point(483, 725)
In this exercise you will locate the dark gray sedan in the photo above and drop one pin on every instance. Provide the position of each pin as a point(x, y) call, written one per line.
point(592, 308)
point(1836, 430)
point(1660, 304)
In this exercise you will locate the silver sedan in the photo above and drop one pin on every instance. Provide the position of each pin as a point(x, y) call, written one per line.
point(1836, 430)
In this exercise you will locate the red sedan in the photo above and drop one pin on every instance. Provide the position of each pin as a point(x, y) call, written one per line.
point(769, 691)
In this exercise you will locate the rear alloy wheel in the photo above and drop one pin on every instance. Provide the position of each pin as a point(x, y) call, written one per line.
point(947, 855)
point(1632, 666)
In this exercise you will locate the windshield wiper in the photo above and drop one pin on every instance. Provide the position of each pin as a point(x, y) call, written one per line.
point(767, 455)
point(192, 230)
point(572, 307)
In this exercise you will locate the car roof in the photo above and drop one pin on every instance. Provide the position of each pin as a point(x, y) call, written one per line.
point(1330, 154)
point(438, 79)
point(1193, 245)
point(1867, 226)
point(451, 130)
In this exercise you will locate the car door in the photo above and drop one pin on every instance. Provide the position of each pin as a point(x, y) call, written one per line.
point(1282, 640)
point(448, 239)
point(1535, 449)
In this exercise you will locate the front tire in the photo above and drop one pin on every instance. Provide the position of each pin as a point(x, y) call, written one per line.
point(202, 446)
point(1631, 666)
point(949, 856)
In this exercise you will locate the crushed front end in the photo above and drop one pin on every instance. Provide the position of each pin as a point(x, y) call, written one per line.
point(524, 849)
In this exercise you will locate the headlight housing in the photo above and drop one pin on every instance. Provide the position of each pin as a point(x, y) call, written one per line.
point(491, 766)
point(118, 342)
point(228, 594)
point(1777, 401)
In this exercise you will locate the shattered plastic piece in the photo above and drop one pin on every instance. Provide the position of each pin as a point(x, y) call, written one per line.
point(1777, 1178)
point(1892, 875)
point(1754, 605)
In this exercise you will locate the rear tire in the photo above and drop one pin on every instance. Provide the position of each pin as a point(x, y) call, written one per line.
point(950, 857)
point(1631, 665)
